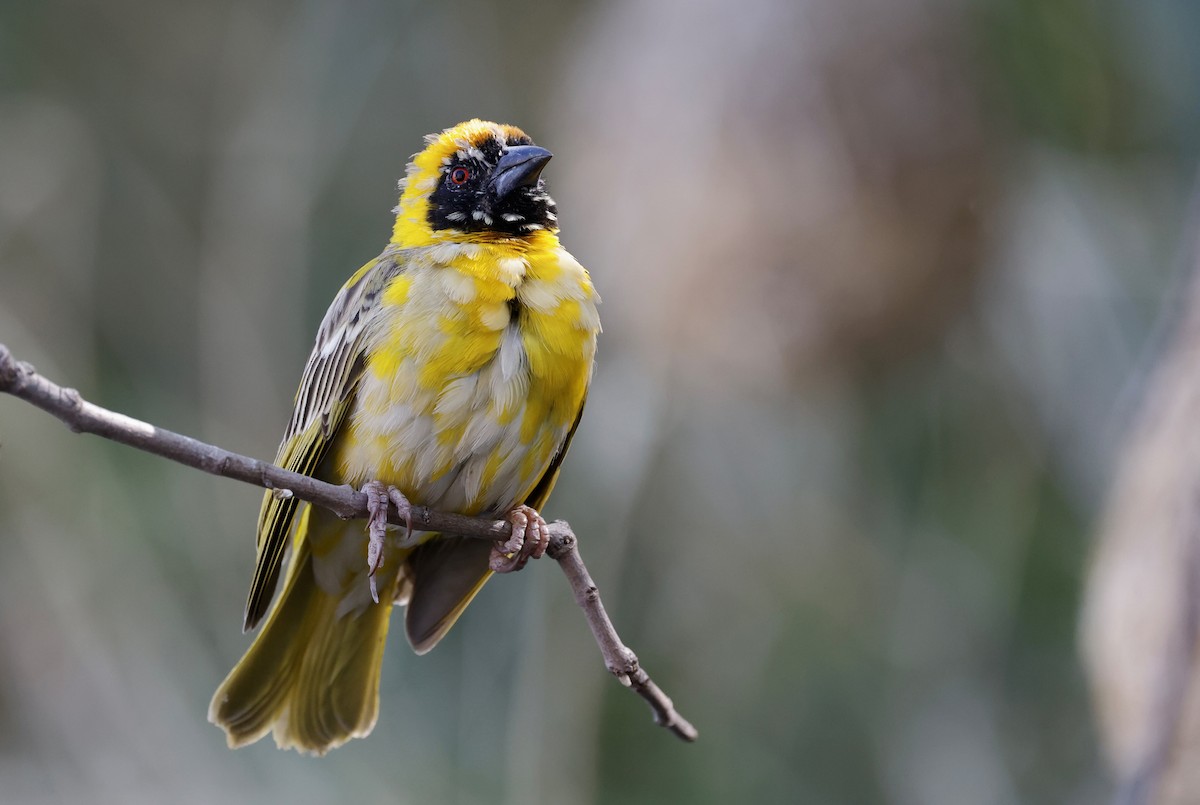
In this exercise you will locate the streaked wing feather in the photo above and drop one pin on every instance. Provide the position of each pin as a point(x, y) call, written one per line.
point(325, 395)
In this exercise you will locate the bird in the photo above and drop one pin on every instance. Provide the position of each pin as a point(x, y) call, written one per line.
point(451, 371)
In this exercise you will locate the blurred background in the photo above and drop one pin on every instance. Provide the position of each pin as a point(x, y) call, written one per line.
point(885, 283)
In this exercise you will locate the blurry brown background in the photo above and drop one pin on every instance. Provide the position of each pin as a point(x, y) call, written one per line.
point(883, 283)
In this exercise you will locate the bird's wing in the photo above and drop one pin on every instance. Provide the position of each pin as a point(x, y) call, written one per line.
point(325, 393)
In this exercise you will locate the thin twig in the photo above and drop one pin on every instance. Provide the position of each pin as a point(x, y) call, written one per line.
point(20, 380)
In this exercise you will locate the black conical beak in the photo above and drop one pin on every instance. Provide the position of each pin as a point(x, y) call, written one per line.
point(520, 166)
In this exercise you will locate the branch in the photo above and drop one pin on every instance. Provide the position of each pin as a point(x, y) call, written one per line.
point(20, 380)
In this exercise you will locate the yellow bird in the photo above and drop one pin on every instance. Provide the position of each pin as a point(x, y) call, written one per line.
point(450, 372)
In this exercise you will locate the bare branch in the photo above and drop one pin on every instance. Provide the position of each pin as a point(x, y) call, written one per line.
point(21, 380)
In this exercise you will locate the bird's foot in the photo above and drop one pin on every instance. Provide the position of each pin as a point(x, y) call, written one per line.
point(378, 498)
point(530, 537)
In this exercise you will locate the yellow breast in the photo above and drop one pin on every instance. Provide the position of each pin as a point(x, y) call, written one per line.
point(476, 367)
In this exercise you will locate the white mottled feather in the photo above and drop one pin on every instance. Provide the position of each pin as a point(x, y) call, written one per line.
point(512, 270)
point(459, 287)
point(542, 296)
point(495, 317)
point(512, 356)
point(458, 397)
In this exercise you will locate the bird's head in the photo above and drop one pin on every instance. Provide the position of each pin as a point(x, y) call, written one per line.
point(475, 182)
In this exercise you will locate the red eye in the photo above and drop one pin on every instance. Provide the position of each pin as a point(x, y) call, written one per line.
point(460, 176)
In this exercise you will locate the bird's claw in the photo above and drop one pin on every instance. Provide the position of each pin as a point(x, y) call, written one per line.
point(529, 540)
point(378, 498)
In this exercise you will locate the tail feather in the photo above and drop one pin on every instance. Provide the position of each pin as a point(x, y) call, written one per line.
point(312, 674)
point(446, 574)
point(336, 693)
point(256, 691)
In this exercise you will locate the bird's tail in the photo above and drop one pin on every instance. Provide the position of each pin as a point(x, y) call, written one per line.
point(312, 674)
